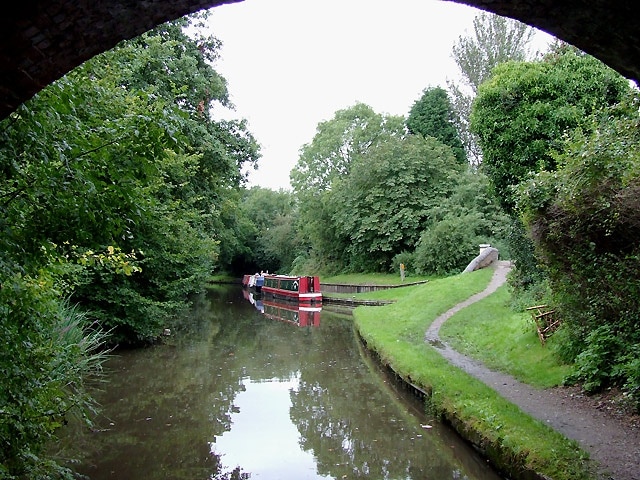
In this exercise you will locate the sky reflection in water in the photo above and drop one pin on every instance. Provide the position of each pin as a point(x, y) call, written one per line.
point(262, 438)
point(280, 401)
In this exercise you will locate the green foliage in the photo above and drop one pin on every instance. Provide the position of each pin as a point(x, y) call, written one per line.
point(597, 365)
point(273, 240)
point(528, 274)
point(448, 246)
point(350, 134)
point(405, 258)
point(494, 40)
point(48, 352)
point(432, 115)
point(522, 113)
point(584, 221)
point(458, 224)
point(118, 191)
point(122, 152)
point(382, 205)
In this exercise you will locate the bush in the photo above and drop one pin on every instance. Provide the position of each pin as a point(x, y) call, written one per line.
point(585, 222)
point(448, 247)
point(598, 362)
point(48, 350)
point(406, 258)
point(528, 273)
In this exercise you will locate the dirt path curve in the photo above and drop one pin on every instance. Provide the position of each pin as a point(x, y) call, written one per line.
point(610, 440)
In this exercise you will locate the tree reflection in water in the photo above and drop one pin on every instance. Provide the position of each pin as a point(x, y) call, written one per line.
point(235, 382)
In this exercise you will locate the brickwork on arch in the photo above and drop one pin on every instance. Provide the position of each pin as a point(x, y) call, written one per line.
point(607, 29)
point(41, 40)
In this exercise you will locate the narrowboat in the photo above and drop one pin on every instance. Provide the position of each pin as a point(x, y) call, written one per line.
point(300, 289)
point(253, 281)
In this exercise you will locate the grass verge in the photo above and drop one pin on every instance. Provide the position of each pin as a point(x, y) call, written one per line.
point(490, 331)
point(372, 279)
point(515, 442)
point(223, 278)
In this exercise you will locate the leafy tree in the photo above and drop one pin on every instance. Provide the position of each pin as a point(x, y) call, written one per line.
point(432, 115)
point(380, 208)
point(458, 224)
point(584, 220)
point(273, 216)
point(114, 192)
point(350, 133)
point(523, 111)
point(495, 40)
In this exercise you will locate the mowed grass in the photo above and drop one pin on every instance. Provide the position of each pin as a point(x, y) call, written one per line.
point(504, 340)
point(372, 279)
point(396, 333)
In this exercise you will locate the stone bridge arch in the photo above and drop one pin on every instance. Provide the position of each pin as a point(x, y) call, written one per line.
point(41, 40)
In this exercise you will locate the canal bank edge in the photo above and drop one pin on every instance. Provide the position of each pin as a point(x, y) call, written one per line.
point(508, 457)
point(505, 460)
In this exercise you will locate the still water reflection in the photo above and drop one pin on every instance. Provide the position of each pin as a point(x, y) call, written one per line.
point(240, 394)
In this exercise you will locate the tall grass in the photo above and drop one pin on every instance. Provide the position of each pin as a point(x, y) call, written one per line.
point(81, 354)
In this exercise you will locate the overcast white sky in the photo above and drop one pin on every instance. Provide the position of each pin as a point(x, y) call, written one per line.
point(291, 64)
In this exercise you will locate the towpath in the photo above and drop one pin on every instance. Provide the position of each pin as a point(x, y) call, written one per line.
point(611, 439)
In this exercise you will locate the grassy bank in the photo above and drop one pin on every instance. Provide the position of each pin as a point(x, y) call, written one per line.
point(373, 279)
point(516, 443)
point(223, 278)
point(504, 340)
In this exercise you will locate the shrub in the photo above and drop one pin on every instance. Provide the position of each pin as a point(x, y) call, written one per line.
point(48, 350)
point(585, 222)
point(406, 258)
point(597, 364)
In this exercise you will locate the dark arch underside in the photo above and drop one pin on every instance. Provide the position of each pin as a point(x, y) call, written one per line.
point(41, 40)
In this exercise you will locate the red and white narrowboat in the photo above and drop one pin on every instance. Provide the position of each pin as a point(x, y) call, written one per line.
point(300, 289)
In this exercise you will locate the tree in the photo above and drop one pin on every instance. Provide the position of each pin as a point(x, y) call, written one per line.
point(432, 115)
point(380, 208)
point(329, 157)
point(350, 132)
point(522, 113)
point(585, 221)
point(495, 40)
point(458, 224)
point(112, 193)
point(273, 216)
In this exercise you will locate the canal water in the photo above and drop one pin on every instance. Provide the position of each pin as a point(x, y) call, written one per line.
point(253, 390)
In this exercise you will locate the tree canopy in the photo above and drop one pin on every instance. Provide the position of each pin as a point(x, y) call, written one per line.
point(522, 113)
point(494, 40)
point(433, 115)
point(117, 196)
point(351, 131)
point(380, 208)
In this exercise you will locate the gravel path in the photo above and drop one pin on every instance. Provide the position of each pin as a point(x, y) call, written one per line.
point(612, 439)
